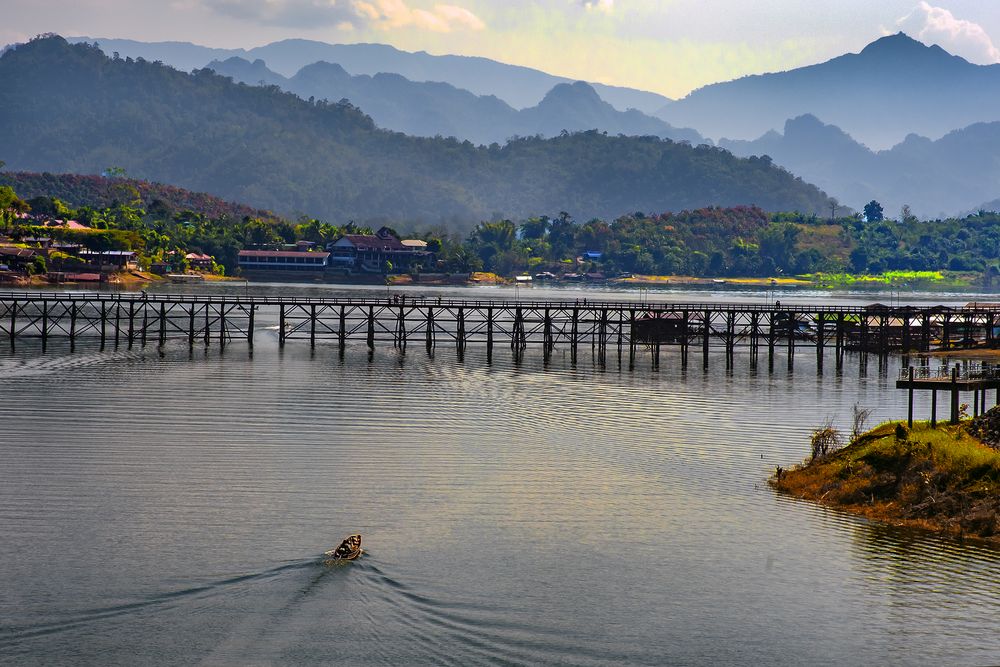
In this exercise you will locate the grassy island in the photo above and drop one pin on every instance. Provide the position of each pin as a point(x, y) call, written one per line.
point(944, 479)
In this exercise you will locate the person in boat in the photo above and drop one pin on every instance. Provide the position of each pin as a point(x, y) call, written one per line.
point(349, 549)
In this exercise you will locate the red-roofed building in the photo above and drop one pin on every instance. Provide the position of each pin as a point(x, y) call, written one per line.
point(199, 261)
point(370, 253)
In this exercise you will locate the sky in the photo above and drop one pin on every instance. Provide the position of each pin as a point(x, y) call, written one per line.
point(666, 46)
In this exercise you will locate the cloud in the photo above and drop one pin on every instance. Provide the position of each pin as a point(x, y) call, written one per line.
point(939, 26)
point(348, 14)
point(606, 6)
point(390, 14)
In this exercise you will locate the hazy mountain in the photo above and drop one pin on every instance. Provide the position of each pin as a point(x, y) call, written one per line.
point(271, 149)
point(935, 178)
point(432, 109)
point(896, 86)
point(518, 86)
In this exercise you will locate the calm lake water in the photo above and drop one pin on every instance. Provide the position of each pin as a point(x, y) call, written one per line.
point(168, 507)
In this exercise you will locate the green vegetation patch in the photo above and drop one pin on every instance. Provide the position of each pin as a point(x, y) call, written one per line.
point(943, 478)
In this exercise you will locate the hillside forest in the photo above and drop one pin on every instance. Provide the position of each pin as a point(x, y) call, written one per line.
point(125, 214)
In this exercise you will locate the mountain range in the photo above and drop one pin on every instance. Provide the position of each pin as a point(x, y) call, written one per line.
point(935, 178)
point(520, 87)
point(894, 87)
point(440, 109)
point(274, 150)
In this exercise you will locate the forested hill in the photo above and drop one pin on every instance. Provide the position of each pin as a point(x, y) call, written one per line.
point(99, 192)
point(70, 108)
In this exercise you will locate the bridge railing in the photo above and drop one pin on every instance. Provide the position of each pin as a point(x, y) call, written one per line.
point(418, 300)
point(971, 371)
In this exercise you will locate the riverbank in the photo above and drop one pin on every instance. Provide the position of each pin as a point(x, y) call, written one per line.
point(940, 479)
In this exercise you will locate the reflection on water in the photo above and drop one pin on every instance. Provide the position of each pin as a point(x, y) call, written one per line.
point(171, 507)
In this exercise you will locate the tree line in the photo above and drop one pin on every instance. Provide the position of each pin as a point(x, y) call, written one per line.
point(712, 241)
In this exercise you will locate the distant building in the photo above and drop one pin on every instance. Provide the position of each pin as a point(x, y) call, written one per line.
point(199, 261)
point(282, 260)
point(370, 253)
point(16, 259)
point(111, 259)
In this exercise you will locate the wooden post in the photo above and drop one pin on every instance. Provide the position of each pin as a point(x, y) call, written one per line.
point(118, 319)
point(13, 323)
point(704, 338)
point(621, 326)
point(602, 345)
point(839, 349)
point(72, 325)
point(770, 340)
point(191, 310)
point(145, 323)
point(546, 334)
point(489, 334)
point(163, 324)
point(730, 337)
point(207, 335)
point(342, 331)
point(429, 331)
point(574, 333)
point(684, 338)
point(460, 329)
point(933, 408)
point(820, 333)
point(223, 334)
point(312, 325)
point(791, 339)
point(104, 323)
point(45, 322)
point(631, 338)
point(281, 325)
point(925, 332)
point(131, 322)
point(954, 394)
point(909, 411)
point(252, 309)
point(371, 328)
point(401, 326)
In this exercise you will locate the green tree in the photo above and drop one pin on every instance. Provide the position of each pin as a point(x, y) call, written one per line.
point(873, 212)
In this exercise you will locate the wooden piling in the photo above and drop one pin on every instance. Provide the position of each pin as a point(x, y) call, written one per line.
point(489, 332)
point(104, 323)
point(429, 330)
point(909, 410)
point(223, 333)
point(13, 323)
point(312, 325)
point(371, 328)
point(45, 323)
point(281, 325)
point(933, 408)
point(72, 326)
point(163, 324)
point(706, 332)
point(143, 333)
point(342, 330)
point(251, 310)
point(954, 395)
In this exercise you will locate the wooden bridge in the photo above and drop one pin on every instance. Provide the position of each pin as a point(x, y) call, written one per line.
point(619, 327)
